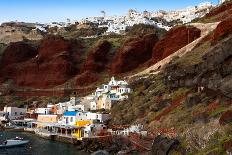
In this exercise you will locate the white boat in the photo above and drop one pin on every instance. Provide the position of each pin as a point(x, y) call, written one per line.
point(13, 143)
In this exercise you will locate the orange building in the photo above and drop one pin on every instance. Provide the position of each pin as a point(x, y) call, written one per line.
point(47, 118)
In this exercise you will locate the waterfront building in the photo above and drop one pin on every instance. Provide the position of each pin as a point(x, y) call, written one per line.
point(2, 116)
point(71, 117)
point(92, 130)
point(101, 117)
point(14, 113)
point(47, 118)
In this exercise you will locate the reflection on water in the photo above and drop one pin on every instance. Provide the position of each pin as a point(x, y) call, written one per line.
point(37, 146)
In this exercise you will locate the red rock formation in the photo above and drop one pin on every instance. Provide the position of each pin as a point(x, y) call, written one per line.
point(221, 11)
point(226, 118)
point(52, 45)
point(55, 64)
point(97, 57)
point(17, 52)
point(133, 53)
point(86, 78)
point(174, 40)
point(45, 75)
point(223, 29)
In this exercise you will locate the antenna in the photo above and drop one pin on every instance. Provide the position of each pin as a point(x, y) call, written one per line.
point(104, 13)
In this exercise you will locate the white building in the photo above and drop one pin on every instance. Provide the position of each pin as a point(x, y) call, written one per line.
point(115, 89)
point(15, 113)
point(42, 111)
point(93, 130)
point(222, 1)
point(98, 116)
point(2, 116)
point(71, 117)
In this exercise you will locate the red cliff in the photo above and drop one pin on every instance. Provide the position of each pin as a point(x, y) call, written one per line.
point(174, 40)
point(134, 52)
point(97, 57)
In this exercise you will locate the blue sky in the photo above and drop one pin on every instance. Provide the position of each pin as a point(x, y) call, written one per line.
point(60, 10)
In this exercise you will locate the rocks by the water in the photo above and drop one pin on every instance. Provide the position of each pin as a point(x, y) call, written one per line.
point(100, 152)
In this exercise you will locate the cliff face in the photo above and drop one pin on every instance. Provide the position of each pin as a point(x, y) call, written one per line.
point(221, 12)
point(223, 30)
point(175, 39)
point(16, 53)
point(97, 58)
point(214, 72)
point(15, 33)
point(133, 53)
point(52, 66)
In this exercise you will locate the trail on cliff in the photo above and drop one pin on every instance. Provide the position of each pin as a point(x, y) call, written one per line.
point(154, 69)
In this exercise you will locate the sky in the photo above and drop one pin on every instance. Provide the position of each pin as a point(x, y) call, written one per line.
point(45, 11)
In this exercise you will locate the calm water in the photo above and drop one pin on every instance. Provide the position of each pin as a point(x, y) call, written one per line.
point(38, 146)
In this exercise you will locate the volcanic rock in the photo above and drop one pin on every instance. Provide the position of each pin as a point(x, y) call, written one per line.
point(174, 40)
point(223, 29)
point(17, 52)
point(55, 64)
point(133, 53)
point(97, 57)
point(226, 118)
point(86, 78)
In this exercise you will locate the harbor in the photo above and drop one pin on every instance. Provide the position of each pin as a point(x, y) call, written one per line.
point(82, 122)
point(38, 145)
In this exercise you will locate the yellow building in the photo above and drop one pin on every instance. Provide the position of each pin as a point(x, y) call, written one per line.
point(103, 102)
point(83, 123)
point(78, 133)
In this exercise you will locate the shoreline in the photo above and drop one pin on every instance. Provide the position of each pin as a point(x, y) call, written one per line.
point(89, 145)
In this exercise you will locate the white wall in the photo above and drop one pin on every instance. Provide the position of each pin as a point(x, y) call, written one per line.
point(15, 113)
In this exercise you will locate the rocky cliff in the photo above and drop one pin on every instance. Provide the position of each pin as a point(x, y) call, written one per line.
point(214, 72)
point(175, 39)
point(133, 53)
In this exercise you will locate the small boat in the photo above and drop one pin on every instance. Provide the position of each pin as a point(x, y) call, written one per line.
point(14, 142)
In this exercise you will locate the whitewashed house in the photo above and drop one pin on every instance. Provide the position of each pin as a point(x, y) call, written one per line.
point(92, 130)
point(71, 117)
point(44, 111)
point(15, 113)
point(2, 116)
point(98, 116)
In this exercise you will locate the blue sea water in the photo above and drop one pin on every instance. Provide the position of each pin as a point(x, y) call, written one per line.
point(37, 146)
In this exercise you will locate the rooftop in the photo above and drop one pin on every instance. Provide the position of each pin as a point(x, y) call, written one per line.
point(70, 113)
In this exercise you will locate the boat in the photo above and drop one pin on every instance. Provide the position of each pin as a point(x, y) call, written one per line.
point(14, 142)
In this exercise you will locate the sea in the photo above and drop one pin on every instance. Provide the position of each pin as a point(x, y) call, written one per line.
point(37, 146)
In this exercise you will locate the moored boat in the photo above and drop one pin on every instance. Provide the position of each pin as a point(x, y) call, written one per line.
point(13, 143)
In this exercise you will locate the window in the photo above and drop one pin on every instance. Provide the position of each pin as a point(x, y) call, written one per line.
point(71, 119)
point(15, 113)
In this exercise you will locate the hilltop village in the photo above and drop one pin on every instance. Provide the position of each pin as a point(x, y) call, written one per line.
point(110, 24)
